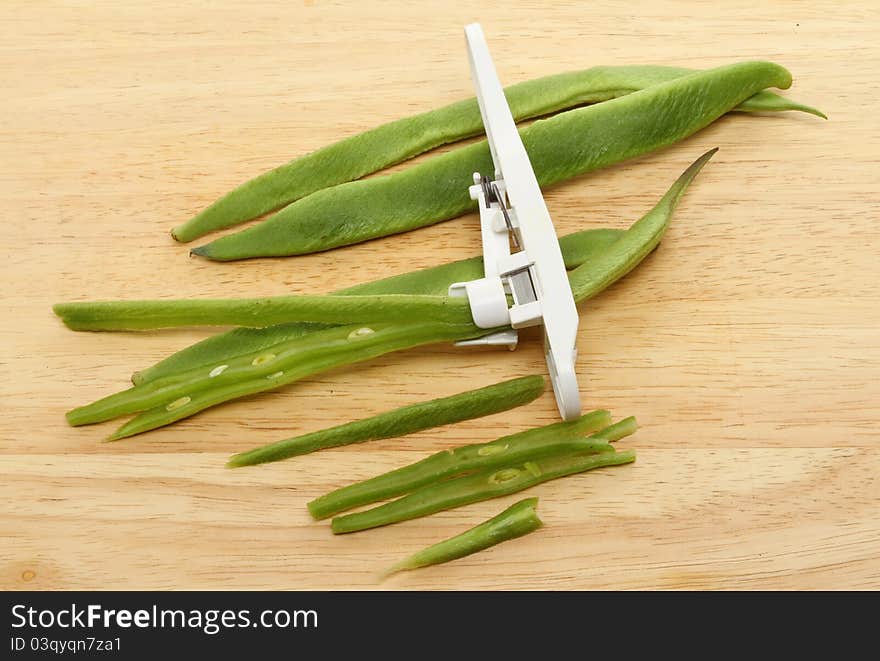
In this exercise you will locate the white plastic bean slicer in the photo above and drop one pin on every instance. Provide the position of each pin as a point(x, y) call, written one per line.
point(512, 211)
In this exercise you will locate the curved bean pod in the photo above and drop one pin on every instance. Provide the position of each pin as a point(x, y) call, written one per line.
point(517, 520)
point(637, 243)
point(402, 421)
point(577, 248)
point(566, 145)
point(400, 140)
point(513, 449)
point(477, 487)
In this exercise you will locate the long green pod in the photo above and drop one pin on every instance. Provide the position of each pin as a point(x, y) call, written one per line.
point(577, 248)
point(319, 351)
point(262, 312)
point(517, 520)
point(559, 148)
point(171, 388)
point(400, 140)
point(402, 421)
point(477, 487)
point(512, 449)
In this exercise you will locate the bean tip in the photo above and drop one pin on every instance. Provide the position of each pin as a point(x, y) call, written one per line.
point(384, 574)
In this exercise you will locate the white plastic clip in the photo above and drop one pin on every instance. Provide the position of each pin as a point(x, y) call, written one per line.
point(512, 210)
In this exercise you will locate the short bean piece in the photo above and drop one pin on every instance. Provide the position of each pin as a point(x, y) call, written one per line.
point(517, 520)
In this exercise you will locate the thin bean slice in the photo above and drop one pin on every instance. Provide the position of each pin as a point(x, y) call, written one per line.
point(517, 520)
point(170, 388)
point(515, 448)
point(398, 141)
point(261, 312)
point(477, 487)
point(577, 248)
point(340, 345)
point(406, 420)
point(564, 146)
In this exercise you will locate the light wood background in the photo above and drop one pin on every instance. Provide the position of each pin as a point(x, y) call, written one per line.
point(747, 345)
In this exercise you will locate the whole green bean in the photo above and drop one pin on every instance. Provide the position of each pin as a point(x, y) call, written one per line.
point(400, 140)
point(515, 448)
point(561, 147)
point(174, 388)
point(262, 312)
point(406, 420)
point(517, 520)
point(477, 487)
point(577, 248)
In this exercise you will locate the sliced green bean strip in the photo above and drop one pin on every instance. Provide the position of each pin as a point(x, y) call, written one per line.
point(400, 140)
point(576, 249)
point(477, 487)
point(406, 420)
point(262, 312)
point(618, 430)
point(564, 146)
point(517, 520)
point(291, 365)
point(341, 345)
point(513, 449)
point(170, 389)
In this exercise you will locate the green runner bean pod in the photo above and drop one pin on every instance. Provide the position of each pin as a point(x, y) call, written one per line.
point(406, 420)
point(517, 520)
point(477, 487)
point(512, 449)
point(561, 147)
point(400, 140)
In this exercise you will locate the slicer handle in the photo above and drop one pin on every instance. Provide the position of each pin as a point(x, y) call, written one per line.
point(565, 385)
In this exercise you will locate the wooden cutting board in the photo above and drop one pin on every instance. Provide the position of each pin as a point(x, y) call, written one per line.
point(747, 345)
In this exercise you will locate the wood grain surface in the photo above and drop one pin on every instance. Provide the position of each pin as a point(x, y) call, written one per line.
point(747, 345)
